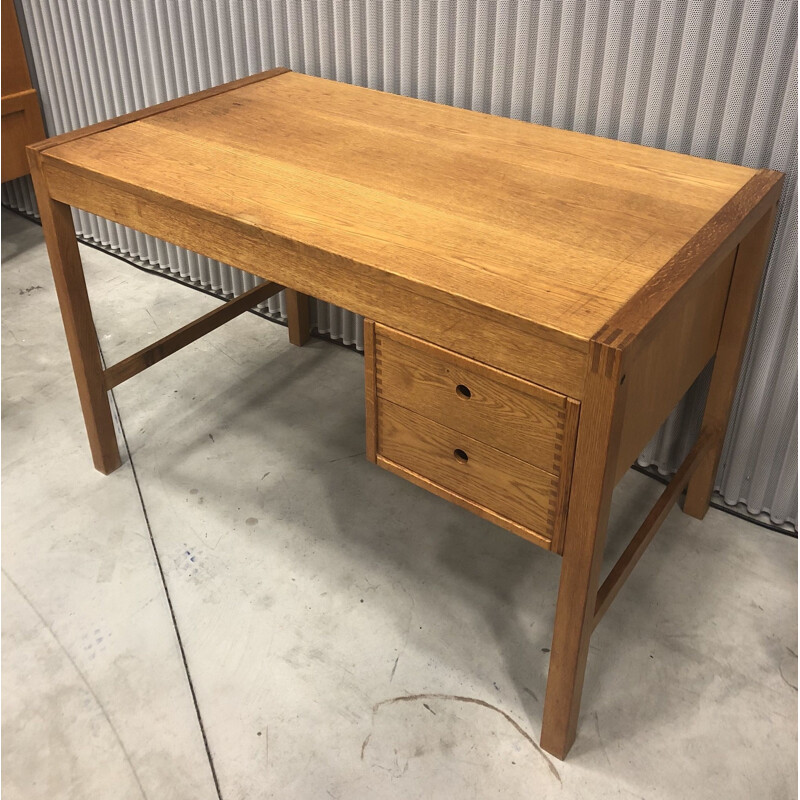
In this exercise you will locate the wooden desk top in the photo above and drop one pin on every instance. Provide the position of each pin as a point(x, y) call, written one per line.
point(556, 229)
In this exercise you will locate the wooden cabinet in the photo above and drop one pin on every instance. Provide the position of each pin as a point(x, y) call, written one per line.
point(22, 118)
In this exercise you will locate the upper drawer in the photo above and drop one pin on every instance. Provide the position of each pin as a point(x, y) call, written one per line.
point(513, 415)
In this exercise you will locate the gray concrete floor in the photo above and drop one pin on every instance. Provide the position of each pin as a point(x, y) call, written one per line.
point(325, 620)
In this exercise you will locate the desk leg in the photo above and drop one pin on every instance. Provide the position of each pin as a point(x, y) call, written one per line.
point(65, 261)
point(590, 501)
point(747, 271)
point(298, 316)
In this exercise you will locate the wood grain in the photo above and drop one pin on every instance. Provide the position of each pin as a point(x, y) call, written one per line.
point(464, 502)
point(76, 313)
point(558, 230)
point(644, 535)
point(491, 337)
point(637, 320)
point(298, 316)
point(747, 272)
point(601, 415)
point(517, 417)
point(678, 349)
point(565, 452)
point(22, 124)
point(21, 115)
point(574, 285)
point(370, 391)
point(172, 342)
point(15, 76)
point(158, 108)
point(510, 487)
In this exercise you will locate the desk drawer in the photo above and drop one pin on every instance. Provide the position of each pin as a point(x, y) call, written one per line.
point(512, 415)
point(474, 473)
point(495, 444)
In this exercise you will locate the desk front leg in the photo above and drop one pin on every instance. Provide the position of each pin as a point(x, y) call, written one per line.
point(76, 313)
point(587, 520)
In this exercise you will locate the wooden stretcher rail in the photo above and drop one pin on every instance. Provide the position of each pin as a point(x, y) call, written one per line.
point(642, 538)
point(171, 343)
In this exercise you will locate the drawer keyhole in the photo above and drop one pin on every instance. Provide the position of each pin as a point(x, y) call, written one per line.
point(460, 455)
point(463, 391)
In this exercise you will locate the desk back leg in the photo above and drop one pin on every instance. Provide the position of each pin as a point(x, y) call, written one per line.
point(747, 271)
point(298, 315)
point(589, 507)
point(76, 313)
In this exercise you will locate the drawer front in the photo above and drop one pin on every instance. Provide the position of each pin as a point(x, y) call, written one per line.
point(514, 416)
point(469, 469)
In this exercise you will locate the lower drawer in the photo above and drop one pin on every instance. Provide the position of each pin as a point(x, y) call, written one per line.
point(493, 484)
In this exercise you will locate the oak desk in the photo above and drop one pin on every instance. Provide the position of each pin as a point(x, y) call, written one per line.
point(537, 300)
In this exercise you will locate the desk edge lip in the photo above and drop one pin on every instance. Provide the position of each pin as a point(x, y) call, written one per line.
point(152, 110)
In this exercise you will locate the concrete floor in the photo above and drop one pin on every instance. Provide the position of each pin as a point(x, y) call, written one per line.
point(337, 623)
